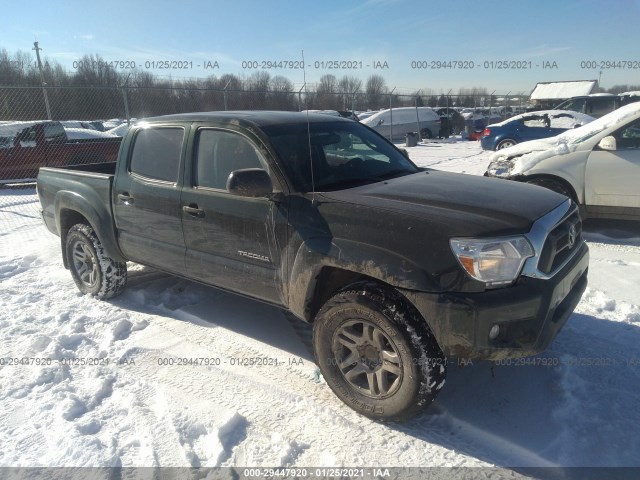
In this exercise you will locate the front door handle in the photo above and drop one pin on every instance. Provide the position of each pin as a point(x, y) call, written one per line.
point(193, 210)
point(126, 198)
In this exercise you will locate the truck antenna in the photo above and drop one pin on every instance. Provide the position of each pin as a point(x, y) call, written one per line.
point(306, 105)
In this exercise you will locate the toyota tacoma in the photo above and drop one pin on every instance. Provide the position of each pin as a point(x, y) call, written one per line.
point(398, 268)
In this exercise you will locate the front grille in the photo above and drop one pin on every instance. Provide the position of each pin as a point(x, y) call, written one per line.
point(561, 243)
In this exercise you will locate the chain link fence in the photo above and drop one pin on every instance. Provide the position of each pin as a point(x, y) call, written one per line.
point(58, 126)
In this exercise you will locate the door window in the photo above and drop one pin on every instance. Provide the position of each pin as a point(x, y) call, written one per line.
point(54, 133)
point(577, 105)
point(219, 153)
point(596, 107)
point(629, 136)
point(156, 153)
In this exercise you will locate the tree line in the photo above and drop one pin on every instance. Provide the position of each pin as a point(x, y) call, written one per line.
point(95, 89)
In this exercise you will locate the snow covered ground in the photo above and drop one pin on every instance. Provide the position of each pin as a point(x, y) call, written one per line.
point(108, 385)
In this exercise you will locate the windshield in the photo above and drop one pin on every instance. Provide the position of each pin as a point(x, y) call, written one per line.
point(344, 155)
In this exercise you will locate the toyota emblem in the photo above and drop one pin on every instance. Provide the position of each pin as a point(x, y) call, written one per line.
point(572, 236)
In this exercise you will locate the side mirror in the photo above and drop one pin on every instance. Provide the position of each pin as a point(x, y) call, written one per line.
point(249, 182)
point(608, 143)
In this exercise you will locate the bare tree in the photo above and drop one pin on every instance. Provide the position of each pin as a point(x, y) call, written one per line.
point(349, 86)
point(375, 89)
point(281, 96)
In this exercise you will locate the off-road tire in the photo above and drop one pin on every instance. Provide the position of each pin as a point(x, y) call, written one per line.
point(92, 270)
point(398, 327)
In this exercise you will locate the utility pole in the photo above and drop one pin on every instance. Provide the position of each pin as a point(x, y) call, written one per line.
point(303, 87)
point(44, 90)
point(126, 100)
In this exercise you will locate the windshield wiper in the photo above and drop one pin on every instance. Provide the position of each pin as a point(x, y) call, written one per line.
point(347, 183)
point(393, 173)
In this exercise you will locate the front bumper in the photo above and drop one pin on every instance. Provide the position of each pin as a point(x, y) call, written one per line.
point(530, 314)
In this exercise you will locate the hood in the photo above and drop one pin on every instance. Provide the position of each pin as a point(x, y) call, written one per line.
point(518, 159)
point(467, 205)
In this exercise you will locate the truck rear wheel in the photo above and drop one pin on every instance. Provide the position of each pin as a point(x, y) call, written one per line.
point(377, 353)
point(93, 271)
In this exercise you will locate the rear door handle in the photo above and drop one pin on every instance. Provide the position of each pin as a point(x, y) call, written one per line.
point(125, 197)
point(193, 210)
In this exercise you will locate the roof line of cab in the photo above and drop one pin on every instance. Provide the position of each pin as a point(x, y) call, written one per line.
point(256, 117)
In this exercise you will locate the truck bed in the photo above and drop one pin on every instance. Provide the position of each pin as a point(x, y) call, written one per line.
point(108, 168)
point(61, 186)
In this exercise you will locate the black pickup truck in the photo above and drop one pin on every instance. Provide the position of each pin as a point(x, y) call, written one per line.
point(398, 267)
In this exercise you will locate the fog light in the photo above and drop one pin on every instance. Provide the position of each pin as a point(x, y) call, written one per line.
point(494, 332)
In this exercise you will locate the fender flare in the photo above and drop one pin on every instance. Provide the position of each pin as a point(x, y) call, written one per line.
point(99, 219)
point(315, 254)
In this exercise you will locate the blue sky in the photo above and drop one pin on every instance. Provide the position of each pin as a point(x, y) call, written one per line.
point(393, 31)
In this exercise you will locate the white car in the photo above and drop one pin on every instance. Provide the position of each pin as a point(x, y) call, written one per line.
point(597, 165)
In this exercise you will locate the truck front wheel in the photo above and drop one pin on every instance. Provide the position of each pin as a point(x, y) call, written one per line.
point(93, 271)
point(377, 353)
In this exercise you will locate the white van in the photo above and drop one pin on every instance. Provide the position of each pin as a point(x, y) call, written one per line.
point(405, 120)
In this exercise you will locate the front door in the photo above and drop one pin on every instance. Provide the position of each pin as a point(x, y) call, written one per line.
point(231, 240)
point(612, 178)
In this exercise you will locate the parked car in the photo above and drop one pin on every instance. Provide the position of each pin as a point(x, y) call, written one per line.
point(596, 165)
point(531, 126)
point(27, 146)
point(599, 104)
point(397, 267)
point(405, 120)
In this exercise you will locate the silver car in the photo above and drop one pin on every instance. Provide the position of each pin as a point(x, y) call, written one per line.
point(396, 123)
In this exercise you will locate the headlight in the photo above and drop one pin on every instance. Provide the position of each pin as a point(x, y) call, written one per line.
point(500, 168)
point(494, 261)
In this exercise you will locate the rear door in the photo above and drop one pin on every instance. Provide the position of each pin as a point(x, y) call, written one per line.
point(613, 178)
point(232, 241)
point(147, 197)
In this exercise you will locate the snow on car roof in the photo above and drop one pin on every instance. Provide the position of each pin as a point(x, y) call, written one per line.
point(10, 129)
point(84, 133)
point(578, 118)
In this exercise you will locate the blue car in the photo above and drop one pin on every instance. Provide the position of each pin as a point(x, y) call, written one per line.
point(531, 126)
